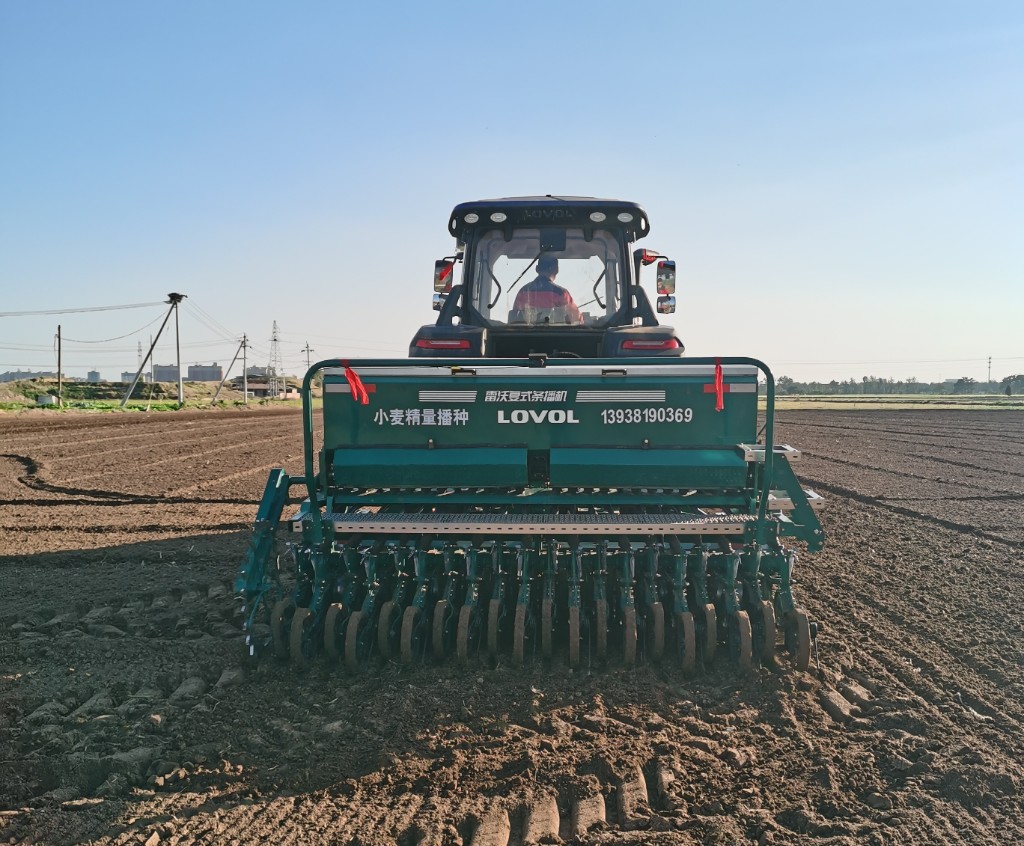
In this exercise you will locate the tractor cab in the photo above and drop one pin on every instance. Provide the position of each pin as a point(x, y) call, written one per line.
point(548, 275)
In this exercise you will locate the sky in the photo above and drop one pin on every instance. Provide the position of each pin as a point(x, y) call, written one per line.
point(841, 184)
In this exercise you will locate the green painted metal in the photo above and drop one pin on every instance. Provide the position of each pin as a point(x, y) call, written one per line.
point(409, 410)
point(515, 439)
point(802, 521)
point(254, 584)
point(362, 467)
point(636, 467)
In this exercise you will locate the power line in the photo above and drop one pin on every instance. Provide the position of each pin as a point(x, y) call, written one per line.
point(211, 323)
point(76, 310)
point(118, 338)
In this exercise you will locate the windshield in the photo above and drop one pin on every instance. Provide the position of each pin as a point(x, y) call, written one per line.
point(536, 279)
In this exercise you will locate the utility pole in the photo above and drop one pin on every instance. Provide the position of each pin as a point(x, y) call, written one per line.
point(245, 370)
point(175, 299)
point(274, 374)
point(990, 370)
point(228, 371)
point(60, 375)
point(307, 351)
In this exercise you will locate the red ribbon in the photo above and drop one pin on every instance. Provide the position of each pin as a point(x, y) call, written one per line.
point(359, 392)
point(719, 386)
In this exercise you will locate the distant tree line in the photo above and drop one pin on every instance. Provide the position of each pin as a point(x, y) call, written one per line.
point(1010, 385)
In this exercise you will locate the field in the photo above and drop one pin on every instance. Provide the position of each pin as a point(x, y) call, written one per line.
point(125, 718)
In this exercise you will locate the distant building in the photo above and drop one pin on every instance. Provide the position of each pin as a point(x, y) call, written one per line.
point(93, 376)
point(128, 376)
point(257, 372)
point(165, 373)
point(19, 375)
point(205, 372)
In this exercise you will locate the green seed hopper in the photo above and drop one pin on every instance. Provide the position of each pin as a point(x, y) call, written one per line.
point(585, 510)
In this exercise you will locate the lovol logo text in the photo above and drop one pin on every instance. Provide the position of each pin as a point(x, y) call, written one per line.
point(547, 415)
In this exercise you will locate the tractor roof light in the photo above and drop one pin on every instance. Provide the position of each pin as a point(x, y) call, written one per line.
point(472, 217)
point(598, 217)
point(498, 217)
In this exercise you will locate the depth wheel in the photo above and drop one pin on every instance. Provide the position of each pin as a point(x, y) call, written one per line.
point(519, 636)
point(440, 612)
point(462, 645)
point(334, 631)
point(708, 631)
point(493, 615)
point(574, 637)
point(766, 648)
point(629, 637)
point(798, 639)
point(601, 628)
point(740, 640)
point(686, 639)
point(385, 622)
point(547, 623)
point(656, 630)
point(355, 633)
point(300, 648)
point(412, 636)
point(280, 626)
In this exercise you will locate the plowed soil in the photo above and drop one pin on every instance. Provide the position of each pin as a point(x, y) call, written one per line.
point(125, 717)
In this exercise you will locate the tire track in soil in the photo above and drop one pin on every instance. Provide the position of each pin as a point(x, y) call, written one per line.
point(944, 440)
point(241, 474)
point(867, 499)
point(177, 459)
point(917, 693)
point(148, 435)
point(74, 421)
point(917, 477)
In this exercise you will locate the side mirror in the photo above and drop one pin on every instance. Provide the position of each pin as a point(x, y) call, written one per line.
point(443, 275)
point(666, 305)
point(667, 277)
point(439, 300)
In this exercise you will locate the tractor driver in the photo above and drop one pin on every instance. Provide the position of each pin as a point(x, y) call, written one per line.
point(543, 295)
